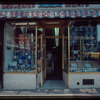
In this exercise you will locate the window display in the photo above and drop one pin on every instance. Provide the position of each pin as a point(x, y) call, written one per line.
point(84, 49)
point(20, 49)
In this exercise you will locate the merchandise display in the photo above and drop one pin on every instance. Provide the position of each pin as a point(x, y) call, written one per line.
point(23, 53)
point(82, 40)
point(23, 61)
point(85, 66)
point(84, 49)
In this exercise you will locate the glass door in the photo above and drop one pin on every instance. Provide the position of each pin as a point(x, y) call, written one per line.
point(43, 61)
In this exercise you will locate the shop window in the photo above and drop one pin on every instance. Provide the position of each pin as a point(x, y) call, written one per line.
point(20, 49)
point(85, 49)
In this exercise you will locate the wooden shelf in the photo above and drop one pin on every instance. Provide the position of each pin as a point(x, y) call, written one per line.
point(93, 64)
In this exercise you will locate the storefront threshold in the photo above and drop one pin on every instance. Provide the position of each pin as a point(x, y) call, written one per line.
point(53, 84)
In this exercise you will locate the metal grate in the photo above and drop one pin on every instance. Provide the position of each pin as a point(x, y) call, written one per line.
point(88, 81)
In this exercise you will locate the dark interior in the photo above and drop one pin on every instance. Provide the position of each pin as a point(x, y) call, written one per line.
point(56, 58)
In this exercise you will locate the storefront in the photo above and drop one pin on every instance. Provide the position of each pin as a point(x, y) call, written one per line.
point(51, 42)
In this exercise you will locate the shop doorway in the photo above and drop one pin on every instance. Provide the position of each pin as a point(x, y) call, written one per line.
point(53, 53)
point(53, 71)
point(53, 59)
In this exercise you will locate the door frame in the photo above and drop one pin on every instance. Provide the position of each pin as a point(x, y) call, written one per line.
point(43, 78)
point(53, 37)
point(65, 23)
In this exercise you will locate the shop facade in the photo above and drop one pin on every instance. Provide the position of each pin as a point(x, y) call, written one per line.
point(51, 42)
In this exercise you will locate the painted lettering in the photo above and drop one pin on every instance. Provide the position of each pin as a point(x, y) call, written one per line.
point(17, 6)
point(77, 5)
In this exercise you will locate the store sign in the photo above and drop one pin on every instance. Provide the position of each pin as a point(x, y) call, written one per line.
point(50, 14)
point(23, 6)
point(49, 5)
point(77, 5)
point(17, 6)
point(49, 10)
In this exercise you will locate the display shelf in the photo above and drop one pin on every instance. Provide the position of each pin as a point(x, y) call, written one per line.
point(84, 69)
point(23, 60)
point(83, 66)
point(82, 38)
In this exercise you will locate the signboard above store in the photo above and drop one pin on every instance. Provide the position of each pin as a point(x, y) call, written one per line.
point(49, 10)
point(22, 6)
point(48, 6)
point(17, 6)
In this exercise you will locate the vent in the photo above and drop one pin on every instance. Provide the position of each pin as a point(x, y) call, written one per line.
point(88, 81)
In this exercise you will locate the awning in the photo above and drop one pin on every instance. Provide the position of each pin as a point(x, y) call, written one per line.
point(51, 14)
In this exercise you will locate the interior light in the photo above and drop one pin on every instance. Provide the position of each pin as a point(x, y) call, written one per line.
point(20, 23)
point(40, 29)
point(57, 34)
point(32, 23)
point(52, 22)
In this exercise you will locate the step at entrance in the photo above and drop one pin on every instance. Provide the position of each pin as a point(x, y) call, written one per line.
point(53, 84)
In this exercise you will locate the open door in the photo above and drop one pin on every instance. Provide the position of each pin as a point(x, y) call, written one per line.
point(43, 59)
point(65, 55)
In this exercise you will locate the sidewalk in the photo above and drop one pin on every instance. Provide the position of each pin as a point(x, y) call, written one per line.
point(53, 92)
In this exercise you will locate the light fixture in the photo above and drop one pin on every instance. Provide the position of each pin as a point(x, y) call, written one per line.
point(40, 29)
point(32, 23)
point(25, 23)
point(57, 34)
point(20, 23)
point(54, 47)
point(52, 22)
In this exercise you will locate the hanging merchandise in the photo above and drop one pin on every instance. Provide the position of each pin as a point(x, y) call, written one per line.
point(22, 29)
point(15, 56)
point(28, 42)
point(21, 41)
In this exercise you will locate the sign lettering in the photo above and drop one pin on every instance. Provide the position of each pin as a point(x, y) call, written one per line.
point(17, 6)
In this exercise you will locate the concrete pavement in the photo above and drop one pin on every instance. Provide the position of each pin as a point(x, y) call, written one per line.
point(52, 92)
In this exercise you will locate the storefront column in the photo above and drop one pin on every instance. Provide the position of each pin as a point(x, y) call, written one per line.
point(36, 48)
point(4, 49)
point(98, 34)
point(45, 54)
point(68, 52)
point(62, 31)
